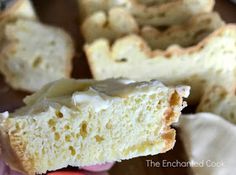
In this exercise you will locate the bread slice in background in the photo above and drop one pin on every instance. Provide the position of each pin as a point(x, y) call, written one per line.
point(15, 9)
point(88, 122)
point(187, 34)
point(19, 8)
point(220, 101)
point(212, 61)
point(35, 54)
point(118, 22)
point(166, 14)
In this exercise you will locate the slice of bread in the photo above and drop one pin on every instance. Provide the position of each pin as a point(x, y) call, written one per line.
point(119, 22)
point(212, 61)
point(87, 122)
point(209, 142)
point(219, 101)
point(184, 35)
point(167, 14)
point(35, 54)
point(15, 9)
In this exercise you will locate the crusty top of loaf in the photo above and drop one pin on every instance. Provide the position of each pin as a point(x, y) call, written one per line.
point(198, 65)
point(164, 14)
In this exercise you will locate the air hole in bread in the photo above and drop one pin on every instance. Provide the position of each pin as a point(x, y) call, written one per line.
point(148, 108)
point(83, 129)
point(201, 34)
point(159, 103)
point(99, 139)
point(51, 122)
point(57, 136)
point(59, 114)
point(109, 125)
point(121, 60)
point(72, 150)
point(77, 135)
point(37, 61)
point(67, 138)
point(53, 128)
point(78, 156)
point(163, 14)
point(66, 127)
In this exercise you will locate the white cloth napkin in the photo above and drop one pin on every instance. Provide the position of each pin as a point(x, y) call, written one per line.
point(210, 142)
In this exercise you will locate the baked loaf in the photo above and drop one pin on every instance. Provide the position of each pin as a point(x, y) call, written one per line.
point(219, 101)
point(12, 9)
point(88, 122)
point(167, 14)
point(35, 54)
point(212, 61)
point(187, 34)
point(119, 22)
point(19, 8)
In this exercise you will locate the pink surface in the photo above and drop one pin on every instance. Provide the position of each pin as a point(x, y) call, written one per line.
point(97, 168)
point(4, 169)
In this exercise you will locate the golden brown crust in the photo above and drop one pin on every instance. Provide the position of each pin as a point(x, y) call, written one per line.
point(170, 116)
point(168, 53)
point(10, 148)
point(169, 138)
point(19, 148)
point(179, 50)
point(166, 6)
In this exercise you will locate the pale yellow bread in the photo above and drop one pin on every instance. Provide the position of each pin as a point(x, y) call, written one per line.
point(118, 22)
point(187, 34)
point(87, 122)
point(18, 8)
point(15, 9)
point(34, 54)
point(220, 101)
point(166, 14)
point(211, 61)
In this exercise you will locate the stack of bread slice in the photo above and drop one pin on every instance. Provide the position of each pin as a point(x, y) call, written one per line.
point(195, 48)
point(31, 54)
